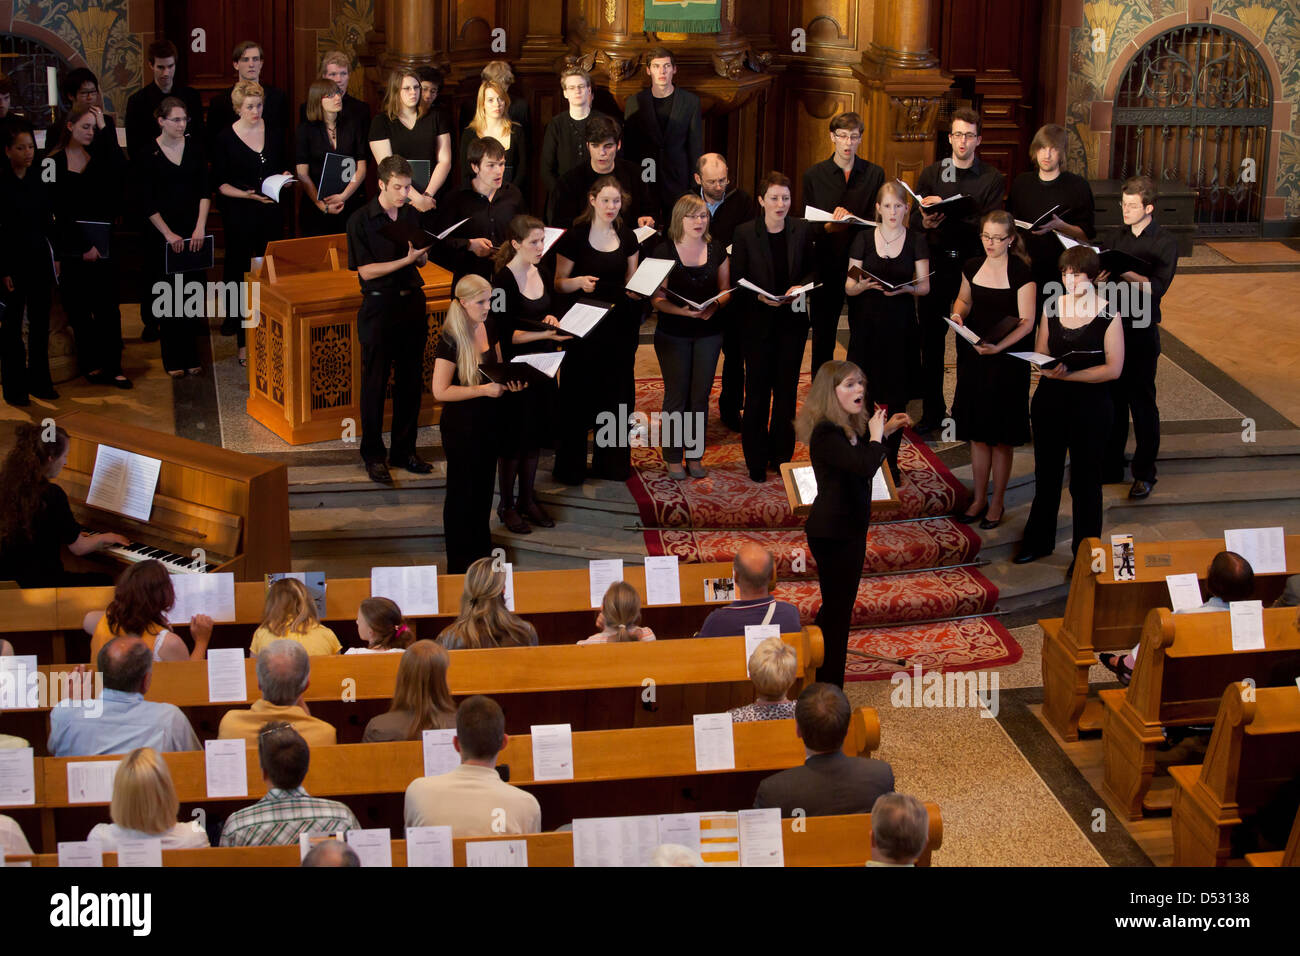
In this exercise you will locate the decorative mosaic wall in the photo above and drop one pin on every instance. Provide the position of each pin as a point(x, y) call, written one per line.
point(90, 31)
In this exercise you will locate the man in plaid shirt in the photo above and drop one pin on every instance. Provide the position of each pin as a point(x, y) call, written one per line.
point(287, 810)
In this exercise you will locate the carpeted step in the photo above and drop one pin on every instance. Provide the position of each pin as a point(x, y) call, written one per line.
point(891, 546)
point(895, 598)
point(969, 644)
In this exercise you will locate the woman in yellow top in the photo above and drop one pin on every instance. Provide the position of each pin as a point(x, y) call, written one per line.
point(139, 608)
point(290, 614)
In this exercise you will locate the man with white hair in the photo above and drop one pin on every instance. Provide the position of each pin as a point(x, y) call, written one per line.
point(900, 829)
point(283, 675)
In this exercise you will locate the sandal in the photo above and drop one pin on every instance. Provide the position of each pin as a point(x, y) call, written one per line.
point(176, 373)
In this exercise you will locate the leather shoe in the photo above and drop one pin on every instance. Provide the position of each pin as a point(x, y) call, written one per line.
point(535, 513)
point(758, 475)
point(514, 522)
point(964, 518)
point(988, 524)
point(415, 464)
point(379, 472)
point(1024, 557)
point(1141, 488)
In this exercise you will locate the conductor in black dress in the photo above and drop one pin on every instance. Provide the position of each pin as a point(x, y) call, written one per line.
point(391, 323)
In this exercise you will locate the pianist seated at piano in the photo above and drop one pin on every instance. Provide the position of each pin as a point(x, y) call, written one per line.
point(139, 608)
point(290, 614)
point(36, 521)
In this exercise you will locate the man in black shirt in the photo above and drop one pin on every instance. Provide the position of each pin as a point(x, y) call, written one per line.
point(952, 241)
point(1135, 389)
point(727, 210)
point(663, 124)
point(569, 197)
point(248, 61)
point(391, 323)
point(564, 145)
point(846, 184)
point(487, 204)
point(141, 126)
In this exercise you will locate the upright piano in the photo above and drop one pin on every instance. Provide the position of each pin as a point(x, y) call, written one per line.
point(233, 509)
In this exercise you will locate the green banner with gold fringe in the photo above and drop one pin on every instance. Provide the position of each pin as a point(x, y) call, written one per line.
point(683, 16)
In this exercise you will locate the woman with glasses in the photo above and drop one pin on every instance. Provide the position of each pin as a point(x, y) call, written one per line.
point(328, 130)
point(991, 407)
point(404, 128)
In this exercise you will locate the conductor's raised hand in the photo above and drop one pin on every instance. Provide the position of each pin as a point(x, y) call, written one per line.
point(876, 424)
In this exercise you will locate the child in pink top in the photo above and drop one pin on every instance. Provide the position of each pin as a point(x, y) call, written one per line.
point(619, 617)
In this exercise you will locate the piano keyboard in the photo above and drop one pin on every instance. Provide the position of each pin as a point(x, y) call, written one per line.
point(175, 563)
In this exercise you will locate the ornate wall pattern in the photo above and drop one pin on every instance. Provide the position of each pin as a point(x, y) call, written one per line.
point(350, 22)
point(90, 32)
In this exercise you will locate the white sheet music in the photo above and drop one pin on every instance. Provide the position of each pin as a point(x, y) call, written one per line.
point(1039, 221)
point(497, 853)
point(145, 852)
point(18, 777)
point(552, 751)
point(373, 847)
point(272, 185)
point(548, 363)
point(227, 677)
point(663, 583)
point(17, 688)
point(1034, 358)
point(123, 482)
point(552, 235)
point(761, 842)
point(756, 634)
point(452, 228)
point(680, 828)
point(879, 487)
point(1247, 620)
point(225, 763)
point(649, 275)
point(615, 841)
point(779, 297)
point(413, 588)
point(510, 586)
point(813, 214)
point(428, 846)
point(1071, 243)
point(715, 747)
point(805, 482)
point(1264, 548)
point(963, 331)
point(643, 233)
point(440, 754)
point(1184, 592)
point(81, 853)
point(582, 318)
point(601, 573)
point(91, 782)
point(211, 594)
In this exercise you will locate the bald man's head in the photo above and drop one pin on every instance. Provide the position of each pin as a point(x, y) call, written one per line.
point(126, 663)
point(712, 177)
point(754, 570)
point(283, 670)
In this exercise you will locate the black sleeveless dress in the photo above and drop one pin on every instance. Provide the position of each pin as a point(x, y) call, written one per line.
point(884, 337)
point(992, 400)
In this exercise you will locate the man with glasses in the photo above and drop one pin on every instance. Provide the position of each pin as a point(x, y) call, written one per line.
point(663, 124)
point(81, 88)
point(564, 145)
point(844, 185)
point(952, 241)
point(248, 60)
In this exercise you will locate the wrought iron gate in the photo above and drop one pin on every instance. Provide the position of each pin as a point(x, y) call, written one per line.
point(1194, 107)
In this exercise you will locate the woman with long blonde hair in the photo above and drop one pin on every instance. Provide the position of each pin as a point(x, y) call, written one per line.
point(469, 419)
point(846, 445)
point(421, 699)
point(492, 119)
point(290, 614)
point(404, 128)
point(484, 620)
point(145, 806)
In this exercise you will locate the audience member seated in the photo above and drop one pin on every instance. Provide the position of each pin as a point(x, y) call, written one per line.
point(120, 719)
point(754, 571)
point(290, 613)
point(772, 668)
point(619, 617)
point(421, 700)
point(484, 620)
point(1290, 596)
point(830, 781)
point(283, 675)
point(331, 853)
point(12, 840)
point(900, 828)
point(287, 811)
point(674, 854)
point(1229, 579)
point(380, 625)
point(6, 649)
point(139, 608)
point(145, 806)
point(473, 798)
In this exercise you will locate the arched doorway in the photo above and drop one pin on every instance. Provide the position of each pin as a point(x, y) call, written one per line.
point(1194, 107)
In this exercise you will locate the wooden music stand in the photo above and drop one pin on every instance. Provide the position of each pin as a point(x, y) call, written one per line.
point(801, 508)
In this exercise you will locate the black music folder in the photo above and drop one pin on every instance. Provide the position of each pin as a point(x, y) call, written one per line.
point(333, 177)
point(186, 261)
point(421, 172)
point(97, 234)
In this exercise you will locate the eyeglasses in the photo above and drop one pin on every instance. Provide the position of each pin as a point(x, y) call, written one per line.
point(964, 135)
point(697, 215)
point(843, 137)
point(717, 183)
point(987, 238)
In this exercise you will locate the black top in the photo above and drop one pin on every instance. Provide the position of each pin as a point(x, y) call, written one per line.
point(516, 157)
point(172, 191)
point(989, 306)
point(895, 269)
point(1157, 247)
point(609, 268)
point(314, 142)
point(367, 244)
point(827, 784)
point(418, 142)
point(983, 183)
point(569, 198)
point(38, 562)
point(564, 146)
point(237, 164)
point(736, 207)
point(488, 219)
point(446, 349)
point(93, 195)
point(751, 258)
point(518, 306)
point(697, 283)
point(825, 187)
point(842, 508)
point(1031, 197)
point(142, 125)
point(675, 145)
point(1091, 338)
point(275, 113)
point(26, 225)
point(778, 247)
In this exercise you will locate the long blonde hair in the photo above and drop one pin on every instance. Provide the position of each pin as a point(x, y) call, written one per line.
point(484, 620)
point(460, 329)
point(144, 797)
point(289, 608)
point(822, 404)
point(479, 123)
point(621, 609)
point(422, 689)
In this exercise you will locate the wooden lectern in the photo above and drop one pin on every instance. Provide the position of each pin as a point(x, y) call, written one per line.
point(304, 368)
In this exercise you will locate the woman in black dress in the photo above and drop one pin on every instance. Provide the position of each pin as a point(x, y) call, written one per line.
point(1072, 406)
point(884, 338)
point(174, 194)
point(404, 128)
point(492, 119)
point(328, 130)
point(687, 343)
point(845, 444)
point(526, 324)
point(36, 521)
point(87, 188)
point(991, 406)
point(246, 153)
point(469, 422)
point(594, 261)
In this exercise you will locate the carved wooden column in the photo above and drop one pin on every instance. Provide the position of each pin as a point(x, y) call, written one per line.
point(902, 89)
point(409, 31)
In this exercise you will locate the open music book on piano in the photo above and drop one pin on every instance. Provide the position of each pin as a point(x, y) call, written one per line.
point(123, 482)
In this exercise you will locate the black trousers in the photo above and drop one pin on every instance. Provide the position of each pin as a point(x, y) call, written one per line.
point(393, 330)
point(1073, 417)
point(772, 360)
point(1135, 391)
point(732, 398)
point(24, 369)
point(931, 310)
point(89, 294)
point(827, 303)
point(471, 450)
point(839, 569)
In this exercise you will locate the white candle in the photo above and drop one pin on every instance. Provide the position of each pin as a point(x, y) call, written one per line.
point(52, 81)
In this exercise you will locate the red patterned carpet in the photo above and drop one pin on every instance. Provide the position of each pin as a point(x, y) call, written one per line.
point(911, 580)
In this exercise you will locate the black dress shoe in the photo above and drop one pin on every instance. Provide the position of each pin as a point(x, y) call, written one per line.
point(379, 472)
point(1141, 488)
point(47, 393)
point(535, 513)
point(514, 522)
point(758, 475)
point(964, 518)
point(17, 402)
point(414, 464)
point(1024, 557)
point(988, 524)
point(123, 383)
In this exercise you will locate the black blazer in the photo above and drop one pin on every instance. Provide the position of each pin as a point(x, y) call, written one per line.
point(674, 150)
point(751, 258)
point(842, 508)
point(827, 784)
